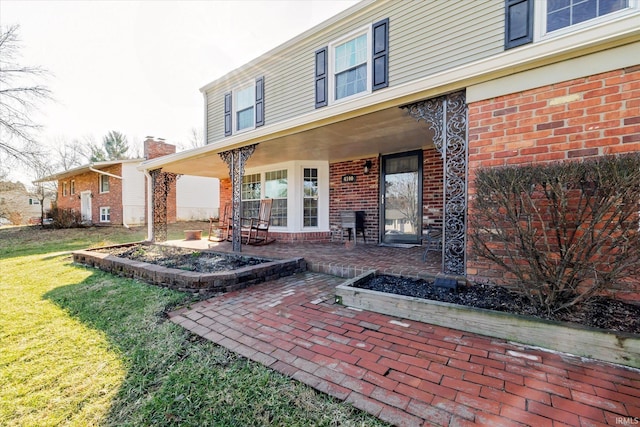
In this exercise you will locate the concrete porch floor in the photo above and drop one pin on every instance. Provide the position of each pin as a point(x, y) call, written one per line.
point(404, 372)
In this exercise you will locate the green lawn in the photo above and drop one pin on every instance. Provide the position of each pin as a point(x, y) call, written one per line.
point(81, 347)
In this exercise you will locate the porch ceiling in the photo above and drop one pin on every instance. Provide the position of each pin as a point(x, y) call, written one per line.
point(386, 131)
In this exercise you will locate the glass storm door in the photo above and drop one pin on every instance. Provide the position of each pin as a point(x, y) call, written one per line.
point(401, 198)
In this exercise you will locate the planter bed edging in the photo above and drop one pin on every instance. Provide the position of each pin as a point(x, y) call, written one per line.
point(610, 346)
point(191, 281)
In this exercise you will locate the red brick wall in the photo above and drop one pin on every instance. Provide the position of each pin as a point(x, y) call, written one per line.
point(157, 148)
point(432, 187)
point(91, 181)
point(571, 120)
point(361, 195)
point(226, 192)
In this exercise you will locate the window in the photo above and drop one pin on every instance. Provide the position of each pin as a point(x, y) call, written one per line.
point(350, 62)
point(73, 187)
point(105, 214)
point(354, 65)
point(34, 201)
point(245, 101)
point(104, 183)
point(251, 192)
point(244, 108)
point(557, 17)
point(64, 189)
point(310, 198)
point(276, 187)
point(564, 13)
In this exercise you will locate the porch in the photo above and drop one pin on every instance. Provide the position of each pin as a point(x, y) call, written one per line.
point(334, 258)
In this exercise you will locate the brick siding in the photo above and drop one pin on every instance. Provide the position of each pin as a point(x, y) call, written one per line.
point(570, 120)
point(361, 195)
point(90, 181)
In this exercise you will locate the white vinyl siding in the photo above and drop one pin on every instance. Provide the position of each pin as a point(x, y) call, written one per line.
point(424, 38)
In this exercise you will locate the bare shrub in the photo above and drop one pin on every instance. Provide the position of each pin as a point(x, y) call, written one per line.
point(564, 231)
point(65, 218)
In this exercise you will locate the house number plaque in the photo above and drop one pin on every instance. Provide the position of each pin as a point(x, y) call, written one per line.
point(348, 178)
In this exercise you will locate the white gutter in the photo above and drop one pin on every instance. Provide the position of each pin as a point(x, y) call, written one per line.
point(91, 168)
point(149, 210)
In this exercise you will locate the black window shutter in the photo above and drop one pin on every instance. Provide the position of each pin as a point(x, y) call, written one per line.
point(380, 52)
point(260, 101)
point(228, 130)
point(518, 23)
point(322, 88)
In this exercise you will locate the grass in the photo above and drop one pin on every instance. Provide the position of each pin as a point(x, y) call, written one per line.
point(81, 347)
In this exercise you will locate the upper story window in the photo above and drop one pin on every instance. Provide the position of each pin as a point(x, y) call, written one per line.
point(565, 13)
point(73, 187)
point(33, 201)
point(104, 183)
point(353, 65)
point(64, 189)
point(244, 108)
point(245, 104)
point(551, 18)
point(350, 67)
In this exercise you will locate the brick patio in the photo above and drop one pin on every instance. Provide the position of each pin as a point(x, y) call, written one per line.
point(410, 373)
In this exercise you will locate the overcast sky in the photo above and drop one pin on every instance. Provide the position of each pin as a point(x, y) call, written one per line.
point(137, 66)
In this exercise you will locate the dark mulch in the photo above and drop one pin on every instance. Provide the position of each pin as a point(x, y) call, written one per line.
point(183, 259)
point(599, 312)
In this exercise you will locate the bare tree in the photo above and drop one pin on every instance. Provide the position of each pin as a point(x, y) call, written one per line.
point(42, 168)
point(196, 139)
point(69, 154)
point(20, 93)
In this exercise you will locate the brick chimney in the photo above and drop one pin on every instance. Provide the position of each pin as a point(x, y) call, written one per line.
point(157, 148)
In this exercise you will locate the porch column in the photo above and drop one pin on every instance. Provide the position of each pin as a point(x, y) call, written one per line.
point(236, 159)
point(161, 183)
point(446, 116)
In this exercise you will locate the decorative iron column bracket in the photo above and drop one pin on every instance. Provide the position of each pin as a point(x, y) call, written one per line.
point(161, 183)
point(446, 116)
point(236, 159)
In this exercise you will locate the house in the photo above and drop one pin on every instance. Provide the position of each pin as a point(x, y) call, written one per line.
point(19, 206)
point(115, 192)
point(390, 107)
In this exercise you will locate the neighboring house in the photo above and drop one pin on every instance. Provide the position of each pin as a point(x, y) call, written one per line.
point(390, 105)
point(114, 192)
point(19, 206)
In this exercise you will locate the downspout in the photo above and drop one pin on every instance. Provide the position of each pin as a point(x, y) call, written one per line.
point(91, 168)
point(149, 208)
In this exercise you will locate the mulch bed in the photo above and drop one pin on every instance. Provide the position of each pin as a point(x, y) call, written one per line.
point(599, 312)
point(183, 259)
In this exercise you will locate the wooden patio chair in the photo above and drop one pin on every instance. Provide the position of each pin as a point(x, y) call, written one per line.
point(257, 230)
point(220, 225)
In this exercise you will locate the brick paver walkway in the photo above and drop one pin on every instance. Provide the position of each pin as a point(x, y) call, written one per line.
point(410, 373)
